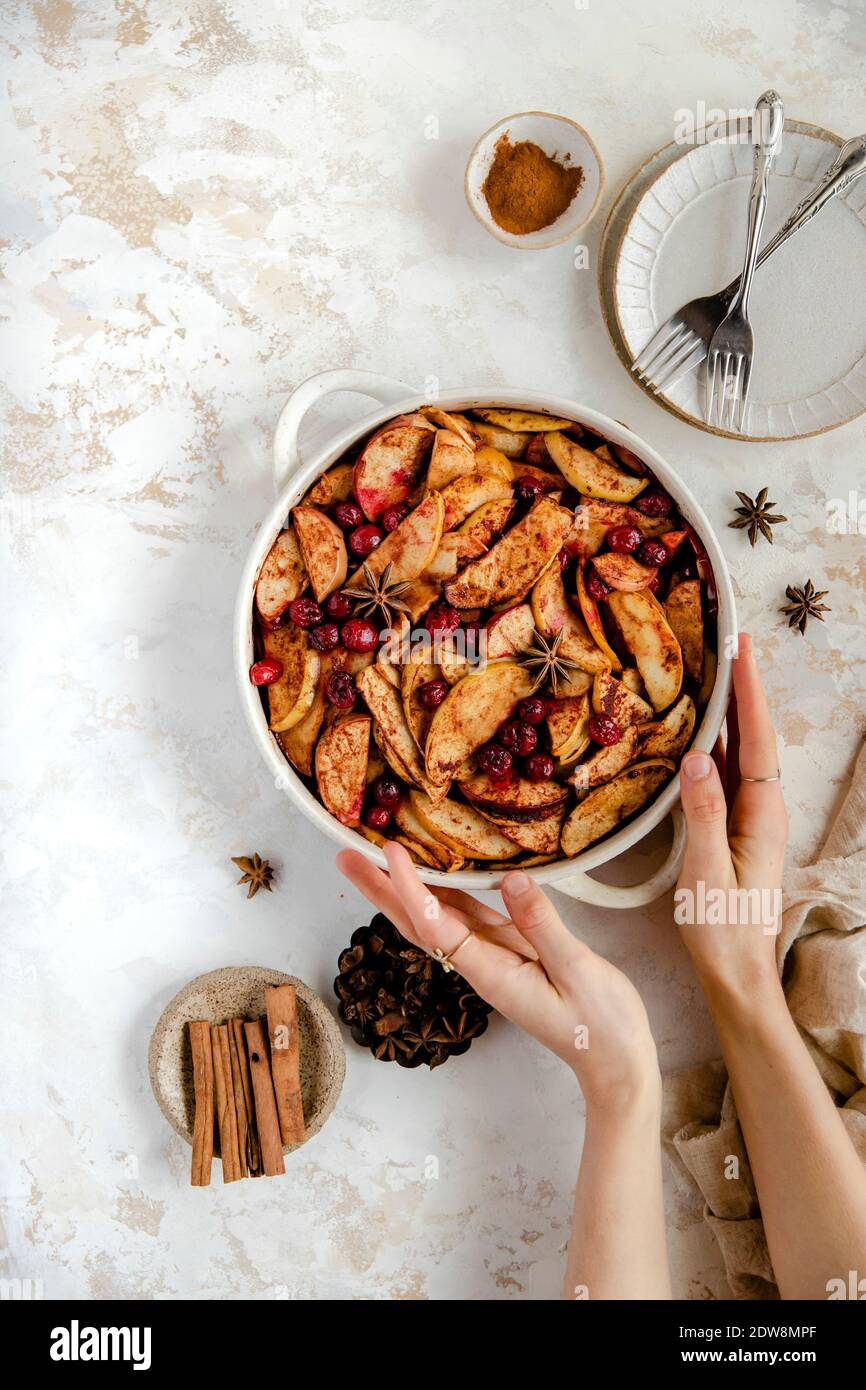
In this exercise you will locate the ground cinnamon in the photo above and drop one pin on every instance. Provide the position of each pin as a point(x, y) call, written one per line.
point(527, 189)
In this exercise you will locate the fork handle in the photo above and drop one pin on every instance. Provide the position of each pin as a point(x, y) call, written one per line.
point(849, 164)
point(767, 126)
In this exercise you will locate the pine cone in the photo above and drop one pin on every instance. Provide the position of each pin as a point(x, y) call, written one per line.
point(400, 1003)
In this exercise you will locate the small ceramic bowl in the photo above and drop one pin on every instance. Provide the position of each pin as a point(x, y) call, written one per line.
point(558, 136)
point(239, 992)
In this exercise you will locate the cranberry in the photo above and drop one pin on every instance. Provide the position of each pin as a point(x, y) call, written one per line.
point(340, 690)
point(564, 559)
point(539, 767)
point(495, 760)
point(359, 635)
point(364, 539)
point(655, 583)
point(338, 606)
point(325, 637)
point(653, 553)
point(595, 585)
point(348, 515)
point(387, 792)
point(305, 612)
point(527, 489)
point(433, 693)
point(392, 516)
point(653, 504)
point(377, 817)
point(442, 618)
point(604, 730)
point(518, 737)
point(266, 672)
point(533, 710)
point(624, 539)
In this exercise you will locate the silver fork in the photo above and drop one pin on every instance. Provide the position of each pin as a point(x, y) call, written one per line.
point(732, 346)
point(680, 343)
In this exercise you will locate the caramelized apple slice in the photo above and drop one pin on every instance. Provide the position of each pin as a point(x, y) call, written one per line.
point(669, 738)
point(487, 521)
point(323, 549)
point(464, 829)
point(623, 572)
point(647, 634)
point(541, 836)
point(455, 551)
point(410, 547)
point(525, 421)
point(567, 725)
point(291, 697)
point(465, 495)
point(281, 578)
point(471, 713)
point(589, 474)
point(392, 463)
point(334, 486)
point(451, 457)
point(392, 733)
point(457, 424)
point(592, 617)
point(554, 614)
point(416, 673)
point(607, 762)
point(341, 767)
point(490, 460)
point(612, 697)
point(407, 819)
point(609, 805)
point(509, 442)
point(594, 518)
point(517, 800)
point(511, 566)
point(683, 610)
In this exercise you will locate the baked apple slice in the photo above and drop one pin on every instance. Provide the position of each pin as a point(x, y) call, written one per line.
point(461, 827)
point(410, 547)
point(710, 664)
point(592, 617)
point(490, 460)
point(471, 713)
point(487, 521)
point(407, 820)
point(416, 673)
point(609, 805)
point(455, 551)
point(457, 424)
point(669, 738)
point(554, 614)
point(517, 800)
point(623, 705)
point(624, 572)
point(525, 421)
point(420, 595)
point(392, 463)
point(593, 519)
point(334, 486)
point(539, 836)
point(392, 733)
point(290, 697)
point(299, 742)
point(683, 611)
point(341, 767)
point(509, 569)
point(648, 636)
point(608, 762)
point(323, 548)
point(511, 443)
point(568, 726)
point(589, 474)
point(451, 457)
point(465, 495)
point(281, 578)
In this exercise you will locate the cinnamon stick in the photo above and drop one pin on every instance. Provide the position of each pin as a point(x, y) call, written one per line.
point(253, 1153)
point(267, 1120)
point(282, 1008)
point(225, 1104)
point(202, 1076)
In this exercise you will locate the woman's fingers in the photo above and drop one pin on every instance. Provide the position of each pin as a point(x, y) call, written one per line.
point(464, 902)
point(538, 920)
point(376, 887)
point(706, 814)
point(760, 808)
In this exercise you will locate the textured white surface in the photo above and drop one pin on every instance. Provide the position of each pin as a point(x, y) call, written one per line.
point(206, 203)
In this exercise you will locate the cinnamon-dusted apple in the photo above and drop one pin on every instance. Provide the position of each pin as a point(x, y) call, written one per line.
point(511, 566)
point(710, 664)
point(490, 460)
point(623, 572)
point(334, 486)
point(540, 836)
point(618, 702)
point(487, 521)
point(466, 494)
point(589, 474)
point(554, 614)
point(648, 636)
point(452, 456)
point(593, 519)
point(292, 694)
point(393, 734)
point(281, 579)
point(463, 828)
point(607, 762)
point(669, 737)
point(511, 443)
point(568, 726)
point(517, 800)
point(592, 617)
point(392, 463)
point(417, 673)
point(470, 714)
point(457, 424)
point(410, 547)
point(411, 824)
point(323, 549)
point(685, 615)
point(455, 551)
point(525, 421)
point(609, 805)
point(341, 767)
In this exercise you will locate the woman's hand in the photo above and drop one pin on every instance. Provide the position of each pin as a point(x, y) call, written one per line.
point(737, 832)
point(531, 969)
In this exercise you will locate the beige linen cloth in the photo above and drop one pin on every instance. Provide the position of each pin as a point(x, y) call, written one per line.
point(821, 950)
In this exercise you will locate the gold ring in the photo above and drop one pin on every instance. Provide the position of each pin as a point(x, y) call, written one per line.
point(777, 778)
point(445, 960)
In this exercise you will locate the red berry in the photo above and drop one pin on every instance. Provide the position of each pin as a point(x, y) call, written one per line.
point(624, 539)
point(376, 817)
point(325, 637)
point(595, 585)
point(518, 737)
point(348, 515)
point(266, 672)
point(532, 710)
point(340, 690)
point(655, 583)
point(527, 489)
point(539, 767)
point(653, 504)
point(442, 618)
point(387, 791)
point(433, 693)
point(305, 612)
point(364, 539)
point(392, 516)
point(359, 635)
point(564, 559)
point(604, 730)
point(495, 760)
point(338, 606)
point(653, 553)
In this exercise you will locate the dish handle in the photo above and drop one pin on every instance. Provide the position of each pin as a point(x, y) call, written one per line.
point(590, 890)
point(384, 389)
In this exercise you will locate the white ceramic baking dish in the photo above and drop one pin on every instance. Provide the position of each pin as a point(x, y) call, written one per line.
point(293, 476)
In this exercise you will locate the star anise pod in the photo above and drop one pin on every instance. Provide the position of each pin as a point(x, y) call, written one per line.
point(376, 594)
point(756, 514)
point(544, 657)
point(805, 604)
point(254, 871)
